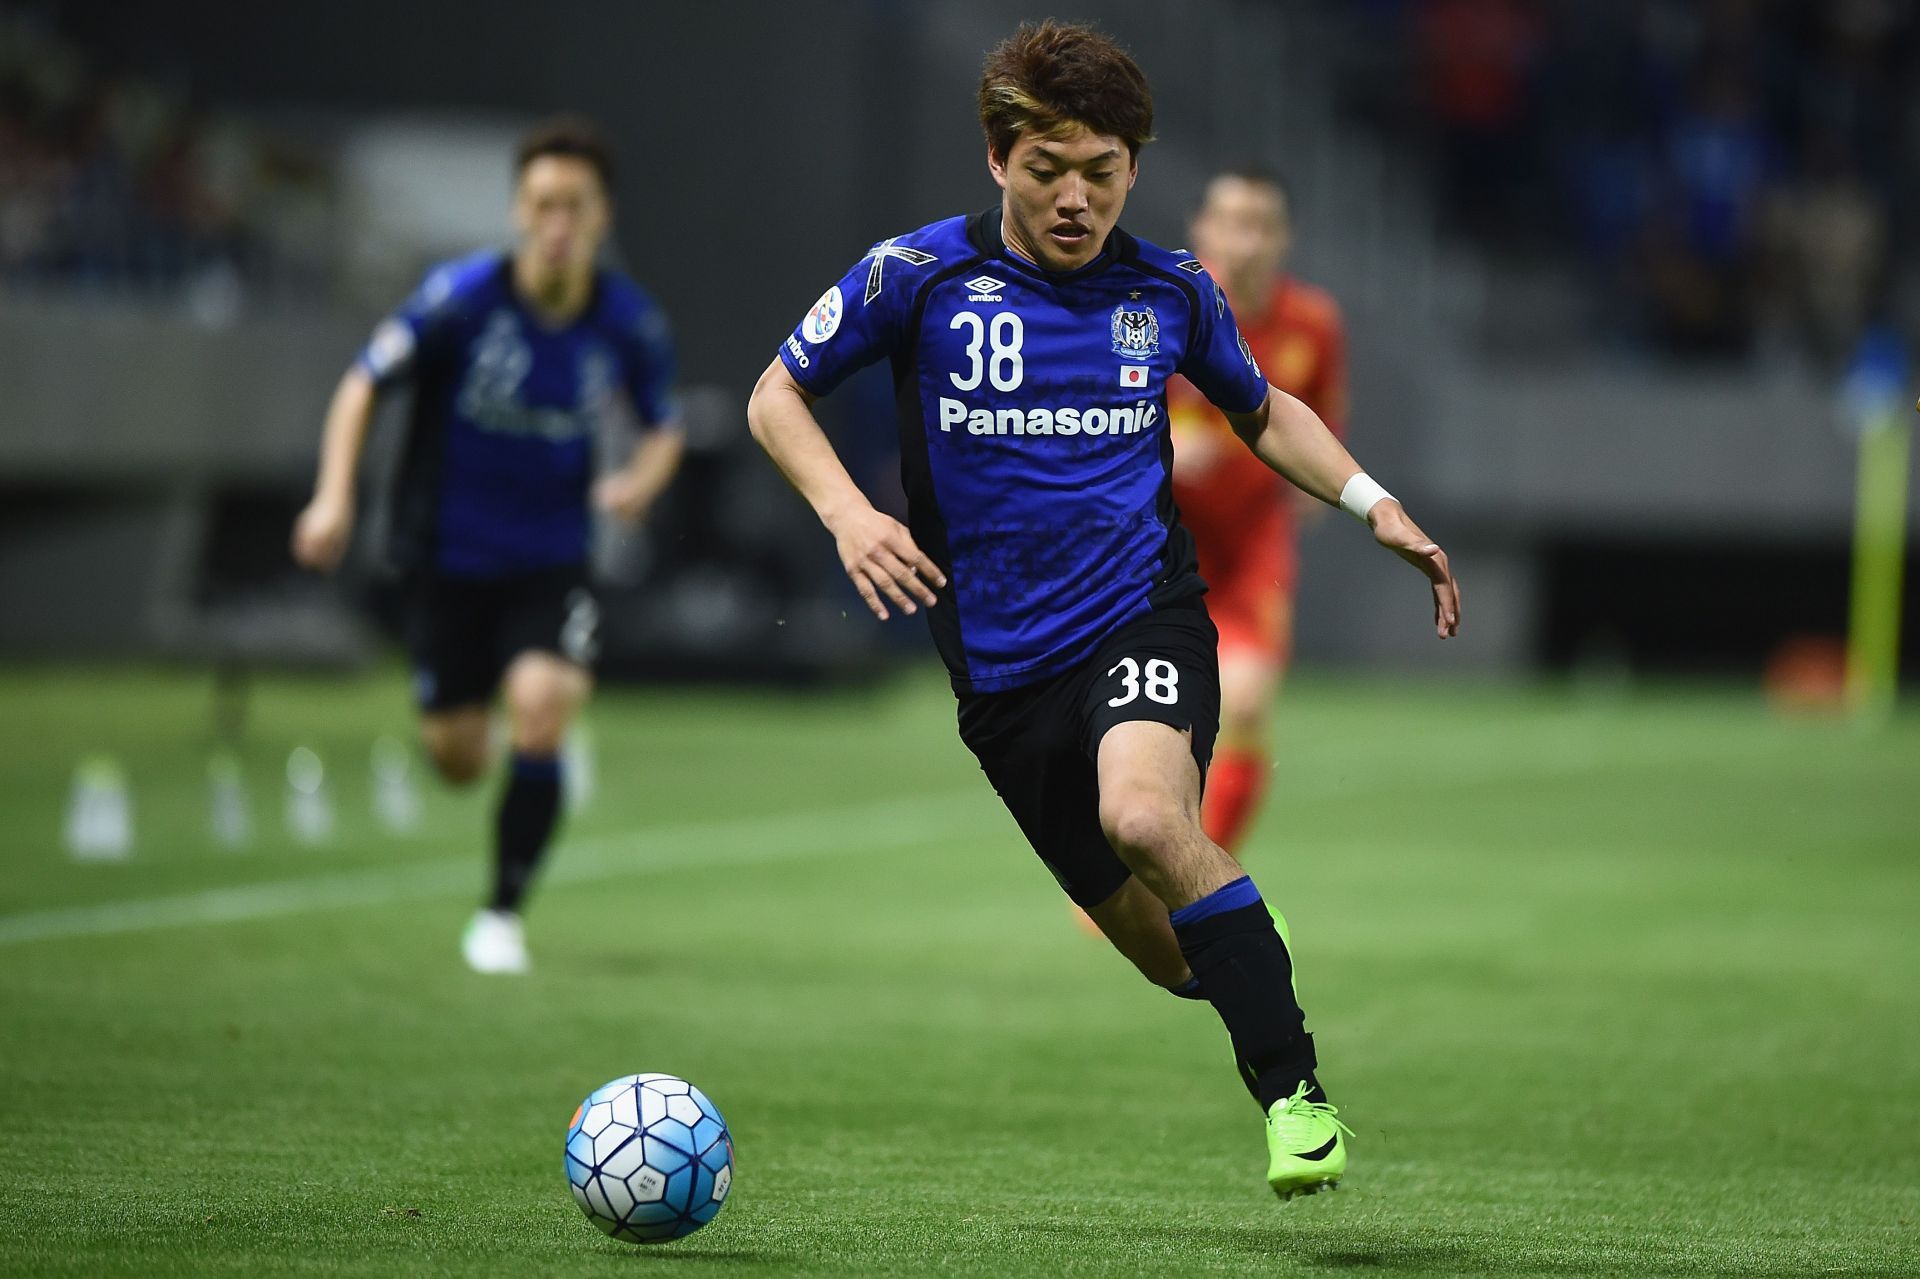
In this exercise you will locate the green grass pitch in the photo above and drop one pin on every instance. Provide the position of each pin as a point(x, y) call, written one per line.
point(1605, 986)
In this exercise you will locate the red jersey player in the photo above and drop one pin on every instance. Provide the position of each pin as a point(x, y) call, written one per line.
point(1241, 514)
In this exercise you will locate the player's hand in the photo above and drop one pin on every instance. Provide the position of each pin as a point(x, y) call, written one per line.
point(321, 534)
point(883, 563)
point(624, 495)
point(1393, 530)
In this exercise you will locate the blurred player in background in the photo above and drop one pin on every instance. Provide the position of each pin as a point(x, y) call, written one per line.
point(1032, 345)
point(1241, 514)
point(514, 359)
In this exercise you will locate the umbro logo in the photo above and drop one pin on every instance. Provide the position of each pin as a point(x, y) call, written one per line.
point(984, 288)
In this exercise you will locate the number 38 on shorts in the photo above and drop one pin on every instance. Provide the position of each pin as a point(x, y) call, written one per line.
point(1159, 679)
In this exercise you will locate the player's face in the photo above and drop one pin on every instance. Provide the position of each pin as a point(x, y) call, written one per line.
point(1063, 195)
point(1243, 232)
point(562, 214)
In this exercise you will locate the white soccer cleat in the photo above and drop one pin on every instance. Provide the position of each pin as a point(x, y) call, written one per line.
point(495, 942)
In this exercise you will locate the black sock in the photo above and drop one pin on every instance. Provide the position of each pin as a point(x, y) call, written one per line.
point(1245, 972)
point(529, 810)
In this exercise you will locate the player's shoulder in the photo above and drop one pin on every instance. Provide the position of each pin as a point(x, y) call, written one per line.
point(1309, 302)
point(624, 305)
point(894, 271)
point(1177, 266)
point(463, 281)
point(943, 240)
point(1158, 257)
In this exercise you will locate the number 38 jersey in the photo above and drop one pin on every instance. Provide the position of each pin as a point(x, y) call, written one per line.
point(1033, 429)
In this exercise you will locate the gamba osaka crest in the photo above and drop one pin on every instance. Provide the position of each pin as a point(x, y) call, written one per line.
point(1136, 333)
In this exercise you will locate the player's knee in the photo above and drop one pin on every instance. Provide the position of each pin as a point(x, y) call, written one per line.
point(459, 758)
point(1141, 825)
point(1244, 715)
point(539, 723)
point(458, 766)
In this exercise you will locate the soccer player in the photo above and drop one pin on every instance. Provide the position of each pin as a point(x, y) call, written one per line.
point(1241, 515)
point(513, 359)
point(1031, 346)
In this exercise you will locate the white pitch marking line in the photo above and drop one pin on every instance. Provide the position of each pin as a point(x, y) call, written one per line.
point(823, 832)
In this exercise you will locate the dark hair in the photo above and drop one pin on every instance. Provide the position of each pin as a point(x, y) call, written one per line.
point(566, 135)
point(1048, 78)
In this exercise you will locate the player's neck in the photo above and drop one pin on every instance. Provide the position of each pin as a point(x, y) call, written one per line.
point(1251, 299)
point(558, 300)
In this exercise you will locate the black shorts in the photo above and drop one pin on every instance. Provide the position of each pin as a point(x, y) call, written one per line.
point(1037, 744)
point(462, 633)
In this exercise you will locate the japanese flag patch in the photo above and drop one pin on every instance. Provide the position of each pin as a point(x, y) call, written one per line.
point(1133, 376)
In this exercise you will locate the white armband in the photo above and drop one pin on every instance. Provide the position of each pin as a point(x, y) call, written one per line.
point(1360, 495)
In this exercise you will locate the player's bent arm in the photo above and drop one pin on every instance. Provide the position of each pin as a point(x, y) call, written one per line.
point(876, 550)
point(321, 534)
point(631, 491)
point(1290, 437)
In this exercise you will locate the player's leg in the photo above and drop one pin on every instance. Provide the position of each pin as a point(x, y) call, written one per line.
point(1253, 608)
point(454, 672)
point(1135, 921)
point(456, 740)
point(1237, 779)
point(1031, 748)
point(1150, 789)
point(549, 639)
point(542, 633)
point(1151, 720)
point(544, 692)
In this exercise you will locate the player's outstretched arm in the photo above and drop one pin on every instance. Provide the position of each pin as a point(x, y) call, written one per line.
point(631, 491)
point(1289, 437)
point(321, 533)
point(876, 550)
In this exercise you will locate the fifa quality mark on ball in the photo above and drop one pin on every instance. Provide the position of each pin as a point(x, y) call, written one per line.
point(649, 1158)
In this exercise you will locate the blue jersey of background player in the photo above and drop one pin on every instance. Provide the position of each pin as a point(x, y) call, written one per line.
point(1030, 347)
point(496, 474)
point(514, 359)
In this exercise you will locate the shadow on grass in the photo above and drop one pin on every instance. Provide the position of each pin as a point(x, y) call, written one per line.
point(1370, 1249)
point(678, 1254)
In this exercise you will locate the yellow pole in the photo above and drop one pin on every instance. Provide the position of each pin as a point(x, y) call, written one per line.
point(1879, 549)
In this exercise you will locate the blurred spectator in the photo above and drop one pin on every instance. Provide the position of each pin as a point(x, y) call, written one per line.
point(1704, 237)
point(1716, 166)
point(1828, 236)
point(1477, 60)
point(121, 183)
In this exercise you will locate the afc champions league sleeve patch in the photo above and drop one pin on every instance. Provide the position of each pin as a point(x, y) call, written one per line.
point(391, 346)
point(823, 321)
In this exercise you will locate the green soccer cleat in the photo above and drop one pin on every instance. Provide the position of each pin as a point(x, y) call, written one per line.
point(1306, 1146)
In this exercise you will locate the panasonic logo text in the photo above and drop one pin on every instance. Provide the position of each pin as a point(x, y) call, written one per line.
point(1129, 420)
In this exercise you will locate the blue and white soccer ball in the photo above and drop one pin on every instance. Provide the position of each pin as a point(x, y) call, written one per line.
point(649, 1158)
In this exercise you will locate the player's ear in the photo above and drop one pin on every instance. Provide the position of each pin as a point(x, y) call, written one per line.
point(1133, 169)
point(997, 166)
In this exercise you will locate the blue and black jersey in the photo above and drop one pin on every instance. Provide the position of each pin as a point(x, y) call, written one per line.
point(498, 464)
point(1033, 429)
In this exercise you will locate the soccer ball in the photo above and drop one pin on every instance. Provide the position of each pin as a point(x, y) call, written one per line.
point(649, 1158)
